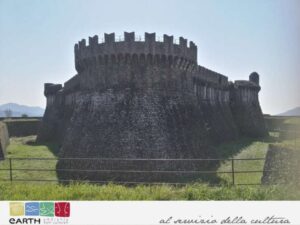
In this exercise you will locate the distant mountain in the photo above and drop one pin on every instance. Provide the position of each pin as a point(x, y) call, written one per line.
point(291, 112)
point(18, 110)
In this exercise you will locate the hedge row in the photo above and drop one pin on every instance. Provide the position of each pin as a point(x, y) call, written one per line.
point(22, 127)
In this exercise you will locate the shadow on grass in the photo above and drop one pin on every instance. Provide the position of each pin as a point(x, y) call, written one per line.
point(230, 149)
point(223, 151)
point(52, 146)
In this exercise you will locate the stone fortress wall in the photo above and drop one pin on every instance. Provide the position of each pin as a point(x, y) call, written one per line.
point(4, 140)
point(146, 99)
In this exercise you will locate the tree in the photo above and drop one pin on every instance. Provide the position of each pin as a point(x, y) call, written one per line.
point(24, 115)
point(8, 113)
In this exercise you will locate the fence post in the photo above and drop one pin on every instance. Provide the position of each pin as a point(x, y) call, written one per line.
point(232, 170)
point(10, 170)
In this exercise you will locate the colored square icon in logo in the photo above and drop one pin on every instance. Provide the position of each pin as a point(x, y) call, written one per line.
point(62, 209)
point(16, 208)
point(47, 209)
point(32, 209)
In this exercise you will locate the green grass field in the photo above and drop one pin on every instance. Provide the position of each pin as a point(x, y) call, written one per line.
point(21, 148)
point(154, 192)
point(245, 148)
point(25, 147)
point(254, 148)
point(293, 120)
point(257, 149)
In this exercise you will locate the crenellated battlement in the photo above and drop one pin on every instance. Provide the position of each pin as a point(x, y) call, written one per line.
point(129, 47)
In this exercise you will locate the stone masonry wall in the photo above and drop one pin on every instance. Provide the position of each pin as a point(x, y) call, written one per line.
point(4, 140)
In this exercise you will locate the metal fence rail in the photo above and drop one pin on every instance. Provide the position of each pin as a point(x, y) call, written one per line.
point(12, 169)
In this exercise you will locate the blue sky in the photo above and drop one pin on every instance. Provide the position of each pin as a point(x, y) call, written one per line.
point(233, 37)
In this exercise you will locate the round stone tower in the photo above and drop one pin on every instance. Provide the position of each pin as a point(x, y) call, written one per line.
point(140, 99)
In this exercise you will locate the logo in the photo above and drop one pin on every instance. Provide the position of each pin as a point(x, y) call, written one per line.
point(39, 212)
point(62, 209)
point(16, 209)
point(32, 209)
point(47, 209)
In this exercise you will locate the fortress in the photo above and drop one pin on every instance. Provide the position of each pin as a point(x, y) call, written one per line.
point(145, 99)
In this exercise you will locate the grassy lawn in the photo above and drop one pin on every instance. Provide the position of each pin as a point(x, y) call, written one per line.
point(24, 147)
point(257, 149)
point(293, 120)
point(155, 192)
point(21, 148)
point(247, 148)
point(243, 148)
